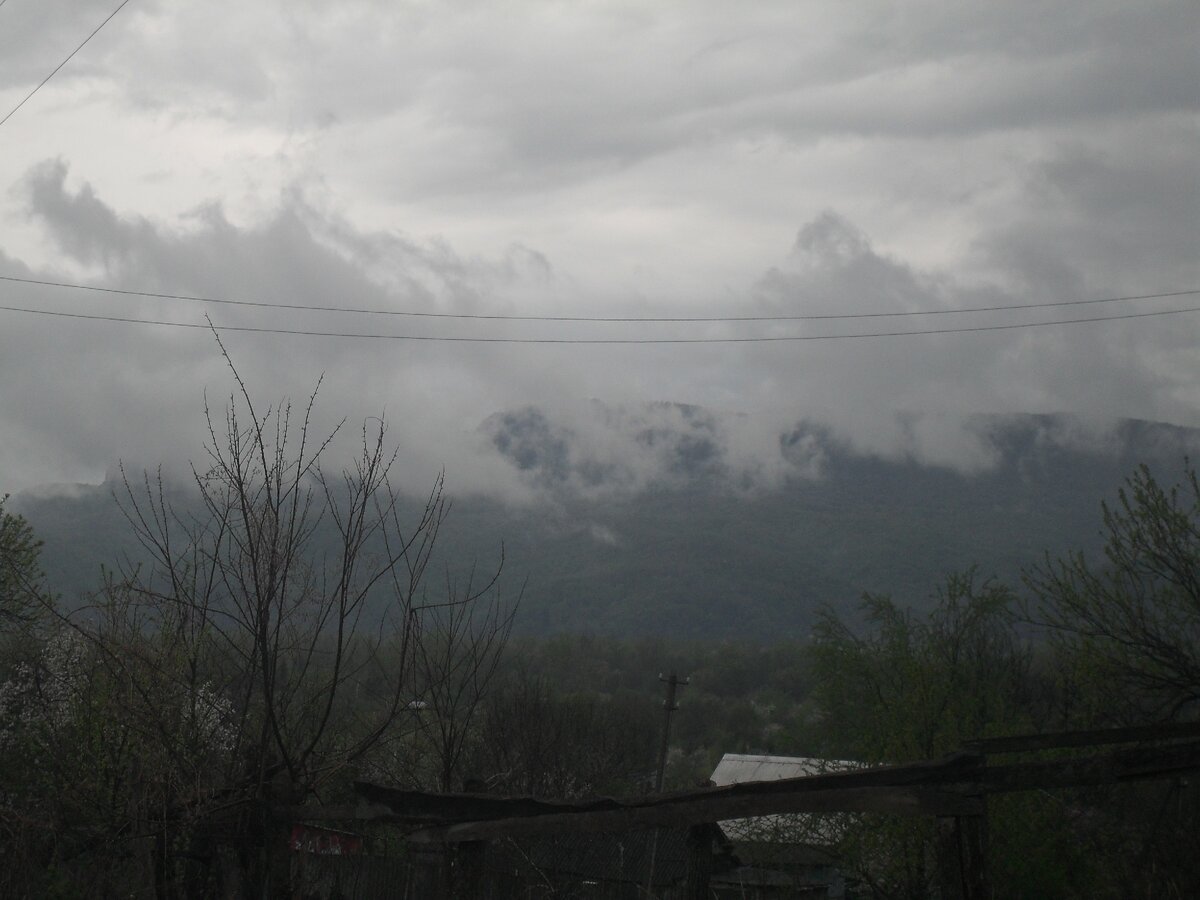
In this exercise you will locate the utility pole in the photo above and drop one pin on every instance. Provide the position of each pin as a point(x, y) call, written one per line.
point(673, 682)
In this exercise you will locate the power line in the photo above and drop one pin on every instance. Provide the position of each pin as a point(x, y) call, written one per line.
point(264, 304)
point(504, 340)
point(64, 62)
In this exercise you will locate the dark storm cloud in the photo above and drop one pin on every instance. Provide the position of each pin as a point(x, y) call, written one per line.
point(538, 95)
point(625, 87)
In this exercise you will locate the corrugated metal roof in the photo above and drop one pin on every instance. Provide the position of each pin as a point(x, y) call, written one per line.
point(738, 768)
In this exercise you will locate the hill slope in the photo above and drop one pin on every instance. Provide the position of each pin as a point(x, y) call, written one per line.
point(697, 558)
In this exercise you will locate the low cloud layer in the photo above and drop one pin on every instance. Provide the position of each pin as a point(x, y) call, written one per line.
point(614, 161)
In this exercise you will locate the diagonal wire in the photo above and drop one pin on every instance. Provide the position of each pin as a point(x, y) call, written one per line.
point(64, 62)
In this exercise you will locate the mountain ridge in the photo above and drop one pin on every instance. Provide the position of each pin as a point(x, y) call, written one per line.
point(698, 555)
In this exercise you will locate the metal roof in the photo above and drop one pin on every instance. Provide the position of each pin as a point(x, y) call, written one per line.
point(739, 768)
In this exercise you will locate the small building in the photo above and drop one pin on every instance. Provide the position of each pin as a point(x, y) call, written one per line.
point(781, 855)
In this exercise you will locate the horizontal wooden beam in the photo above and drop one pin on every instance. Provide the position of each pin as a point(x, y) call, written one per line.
point(1114, 767)
point(683, 812)
point(950, 787)
point(901, 789)
point(439, 807)
point(1022, 743)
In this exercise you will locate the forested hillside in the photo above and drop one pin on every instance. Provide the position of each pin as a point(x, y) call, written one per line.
point(699, 558)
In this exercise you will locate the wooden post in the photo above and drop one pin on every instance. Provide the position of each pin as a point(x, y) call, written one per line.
point(673, 683)
point(948, 857)
point(699, 862)
point(468, 878)
point(962, 857)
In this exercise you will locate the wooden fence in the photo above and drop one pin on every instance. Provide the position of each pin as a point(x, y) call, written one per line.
point(953, 790)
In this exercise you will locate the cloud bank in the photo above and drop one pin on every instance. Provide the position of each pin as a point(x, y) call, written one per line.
point(611, 160)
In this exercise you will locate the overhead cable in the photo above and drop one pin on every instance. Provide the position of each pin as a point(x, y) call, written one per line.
point(64, 62)
point(517, 340)
point(805, 317)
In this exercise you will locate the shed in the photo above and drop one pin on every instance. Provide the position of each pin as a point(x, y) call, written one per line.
point(800, 844)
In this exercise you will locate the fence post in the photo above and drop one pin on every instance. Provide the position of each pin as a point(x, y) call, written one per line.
point(699, 861)
point(469, 870)
point(962, 856)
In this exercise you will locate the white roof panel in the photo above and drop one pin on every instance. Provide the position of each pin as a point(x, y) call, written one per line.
point(738, 768)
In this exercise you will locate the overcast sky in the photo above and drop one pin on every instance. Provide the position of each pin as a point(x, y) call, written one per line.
point(691, 159)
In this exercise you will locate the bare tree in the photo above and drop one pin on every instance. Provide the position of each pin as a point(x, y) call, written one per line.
point(540, 742)
point(454, 665)
point(242, 650)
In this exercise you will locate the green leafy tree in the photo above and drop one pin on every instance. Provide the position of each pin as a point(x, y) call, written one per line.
point(1133, 620)
point(913, 687)
point(21, 590)
point(69, 745)
point(1125, 635)
point(909, 687)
